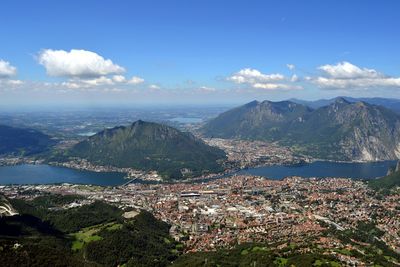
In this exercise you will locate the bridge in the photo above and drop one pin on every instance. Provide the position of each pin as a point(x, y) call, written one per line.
point(130, 181)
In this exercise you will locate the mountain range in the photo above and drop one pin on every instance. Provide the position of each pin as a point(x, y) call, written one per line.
point(19, 141)
point(341, 130)
point(150, 146)
point(390, 103)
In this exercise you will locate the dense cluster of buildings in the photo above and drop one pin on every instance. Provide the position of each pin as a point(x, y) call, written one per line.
point(240, 209)
point(131, 173)
point(15, 160)
point(250, 153)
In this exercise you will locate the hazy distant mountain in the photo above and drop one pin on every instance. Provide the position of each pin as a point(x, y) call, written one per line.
point(393, 104)
point(150, 146)
point(340, 131)
point(23, 141)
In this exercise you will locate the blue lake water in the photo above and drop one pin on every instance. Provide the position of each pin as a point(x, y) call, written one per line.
point(44, 174)
point(186, 120)
point(322, 169)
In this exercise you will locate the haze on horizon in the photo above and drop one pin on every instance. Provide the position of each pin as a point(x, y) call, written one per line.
point(85, 53)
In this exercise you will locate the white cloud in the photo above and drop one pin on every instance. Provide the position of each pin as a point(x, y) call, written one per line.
point(6, 69)
point(119, 78)
point(135, 80)
point(77, 63)
point(258, 80)
point(154, 87)
point(72, 85)
point(275, 86)
point(290, 66)
point(356, 83)
point(113, 90)
point(252, 76)
point(88, 83)
point(206, 89)
point(102, 81)
point(10, 84)
point(294, 78)
point(345, 75)
point(15, 82)
point(346, 70)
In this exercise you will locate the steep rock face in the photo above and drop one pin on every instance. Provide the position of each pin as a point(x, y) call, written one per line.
point(339, 131)
point(257, 120)
point(149, 146)
point(361, 131)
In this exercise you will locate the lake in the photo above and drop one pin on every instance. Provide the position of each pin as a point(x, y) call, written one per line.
point(322, 169)
point(44, 174)
point(186, 120)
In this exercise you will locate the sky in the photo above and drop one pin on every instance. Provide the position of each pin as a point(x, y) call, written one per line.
point(196, 52)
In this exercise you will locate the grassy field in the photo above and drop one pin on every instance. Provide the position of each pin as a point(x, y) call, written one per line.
point(89, 234)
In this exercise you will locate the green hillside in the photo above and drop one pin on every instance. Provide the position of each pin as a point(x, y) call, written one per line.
point(387, 182)
point(91, 235)
point(20, 141)
point(150, 146)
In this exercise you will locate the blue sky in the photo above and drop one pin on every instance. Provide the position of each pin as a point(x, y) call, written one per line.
point(197, 51)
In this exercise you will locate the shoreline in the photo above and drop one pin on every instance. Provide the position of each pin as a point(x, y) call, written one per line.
point(209, 177)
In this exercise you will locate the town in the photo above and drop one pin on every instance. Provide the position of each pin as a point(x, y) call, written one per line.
point(253, 153)
point(221, 213)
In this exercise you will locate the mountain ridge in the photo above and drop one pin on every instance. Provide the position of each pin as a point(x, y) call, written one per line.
point(342, 130)
point(23, 141)
point(389, 103)
point(150, 146)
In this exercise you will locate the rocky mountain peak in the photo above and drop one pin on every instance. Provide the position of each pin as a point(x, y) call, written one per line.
point(341, 100)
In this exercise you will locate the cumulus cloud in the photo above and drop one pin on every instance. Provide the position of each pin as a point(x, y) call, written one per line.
point(116, 80)
point(252, 76)
point(345, 75)
point(15, 82)
point(290, 66)
point(135, 80)
point(346, 70)
point(356, 83)
point(84, 69)
point(77, 63)
point(6, 69)
point(154, 87)
point(10, 83)
point(103, 80)
point(259, 80)
point(119, 78)
point(294, 78)
point(88, 83)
